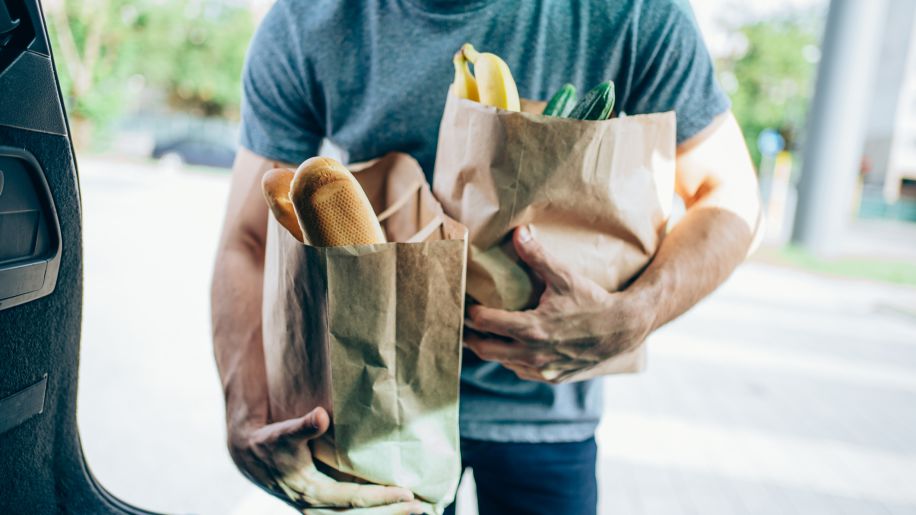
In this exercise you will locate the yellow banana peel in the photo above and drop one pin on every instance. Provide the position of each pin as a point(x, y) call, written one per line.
point(495, 85)
point(465, 86)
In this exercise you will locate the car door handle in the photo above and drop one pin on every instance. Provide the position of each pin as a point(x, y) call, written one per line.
point(7, 24)
point(23, 405)
point(30, 243)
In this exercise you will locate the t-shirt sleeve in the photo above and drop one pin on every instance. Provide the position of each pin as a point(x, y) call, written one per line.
point(278, 118)
point(673, 70)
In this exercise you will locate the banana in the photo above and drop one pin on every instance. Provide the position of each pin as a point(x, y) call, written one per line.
point(496, 86)
point(465, 84)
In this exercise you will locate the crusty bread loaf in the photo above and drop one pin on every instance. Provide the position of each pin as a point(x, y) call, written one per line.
point(275, 186)
point(331, 206)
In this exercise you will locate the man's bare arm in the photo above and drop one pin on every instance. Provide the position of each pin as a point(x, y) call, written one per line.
point(716, 179)
point(578, 324)
point(236, 294)
point(273, 454)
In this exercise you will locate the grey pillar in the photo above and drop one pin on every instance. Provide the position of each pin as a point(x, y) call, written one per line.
point(836, 124)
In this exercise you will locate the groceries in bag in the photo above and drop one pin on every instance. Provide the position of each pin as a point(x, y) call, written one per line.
point(323, 202)
point(598, 104)
point(562, 102)
point(491, 84)
point(371, 332)
point(275, 186)
point(332, 208)
point(595, 189)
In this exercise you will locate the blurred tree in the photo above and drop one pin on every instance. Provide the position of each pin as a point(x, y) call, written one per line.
point(195, 53)
point(95, 49)
point(771, 80)
point(191, 50)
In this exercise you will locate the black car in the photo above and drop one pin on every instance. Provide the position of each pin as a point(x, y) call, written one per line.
point(194, 151)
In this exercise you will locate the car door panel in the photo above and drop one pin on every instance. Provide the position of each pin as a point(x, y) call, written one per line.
point(42, 469)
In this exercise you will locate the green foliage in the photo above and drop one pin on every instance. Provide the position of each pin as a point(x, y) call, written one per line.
point(873, 269)
point(196, 56)
point(772, 82)
point(191, 51)
point(93, 52)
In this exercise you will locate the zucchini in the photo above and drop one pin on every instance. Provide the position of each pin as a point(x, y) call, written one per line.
point(562, 102)
point(597, 104)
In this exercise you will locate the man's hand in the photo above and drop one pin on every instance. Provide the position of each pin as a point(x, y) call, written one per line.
point(576, 325)
point(277, 457)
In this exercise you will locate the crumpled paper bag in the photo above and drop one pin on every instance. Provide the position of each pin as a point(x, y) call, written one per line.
point(597, 195)
point(373, 334)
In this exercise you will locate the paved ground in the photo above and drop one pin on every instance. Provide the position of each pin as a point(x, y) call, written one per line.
point(784, 393)
point(887, 239)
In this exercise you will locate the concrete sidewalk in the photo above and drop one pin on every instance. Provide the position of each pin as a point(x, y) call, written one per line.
point(880, 239)
point(782, 393)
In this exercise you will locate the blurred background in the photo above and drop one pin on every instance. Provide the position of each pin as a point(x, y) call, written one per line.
point(790, 390)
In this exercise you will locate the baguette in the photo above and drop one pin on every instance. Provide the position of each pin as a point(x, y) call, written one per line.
point(332, 207)
point(275, 186)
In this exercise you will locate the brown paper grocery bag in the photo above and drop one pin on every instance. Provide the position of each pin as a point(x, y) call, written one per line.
point(373, 334)
point(597, 195)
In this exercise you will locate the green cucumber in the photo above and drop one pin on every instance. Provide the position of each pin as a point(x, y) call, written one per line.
point(597, 104)
point(562, 102)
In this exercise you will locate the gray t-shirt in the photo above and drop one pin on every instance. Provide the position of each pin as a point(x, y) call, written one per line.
point(371, 76)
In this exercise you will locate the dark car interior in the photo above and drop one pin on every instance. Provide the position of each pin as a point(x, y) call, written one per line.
point(42, 469)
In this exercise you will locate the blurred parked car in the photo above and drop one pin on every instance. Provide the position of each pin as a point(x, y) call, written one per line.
point(195, 151)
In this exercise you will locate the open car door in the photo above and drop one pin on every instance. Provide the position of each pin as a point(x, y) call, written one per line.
point(41, 463)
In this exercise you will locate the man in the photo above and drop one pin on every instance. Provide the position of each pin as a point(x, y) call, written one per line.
point(371, 76)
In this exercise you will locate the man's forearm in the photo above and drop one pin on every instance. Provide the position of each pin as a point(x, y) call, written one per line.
point(697, 256)
point(236, 315)
point(716, 179)
point(236, 294)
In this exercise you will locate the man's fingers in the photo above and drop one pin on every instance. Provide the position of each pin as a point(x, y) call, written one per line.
point(403, 508)
point(407, 508)
point(520, 325)
point(553, 372)
point(508, 352)
point(526, 373)
point(538, 259)
point(494, 350)
point(361, 496)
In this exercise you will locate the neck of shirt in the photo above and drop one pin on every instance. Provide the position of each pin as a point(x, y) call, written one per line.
point(446, 7)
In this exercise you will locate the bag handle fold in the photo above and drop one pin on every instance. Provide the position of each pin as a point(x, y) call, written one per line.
point(399, 203)
point(427, 230)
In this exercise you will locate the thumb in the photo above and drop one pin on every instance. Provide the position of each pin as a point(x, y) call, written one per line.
point(314, 424)
point(538, 259)
point(401, 508)
point(307, 427)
